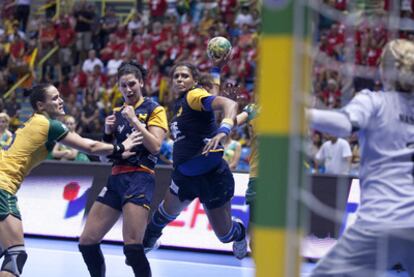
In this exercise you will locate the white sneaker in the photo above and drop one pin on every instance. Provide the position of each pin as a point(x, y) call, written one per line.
point(154, 247)
point(240, 247)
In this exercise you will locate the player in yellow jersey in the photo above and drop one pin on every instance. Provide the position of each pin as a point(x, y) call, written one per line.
point(30, 146)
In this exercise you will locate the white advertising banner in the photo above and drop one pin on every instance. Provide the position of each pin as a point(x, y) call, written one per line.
point(53, 205)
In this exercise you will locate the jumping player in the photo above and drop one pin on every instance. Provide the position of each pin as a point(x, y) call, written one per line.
point(30, 145)
point(199, 169)
point(131, 185)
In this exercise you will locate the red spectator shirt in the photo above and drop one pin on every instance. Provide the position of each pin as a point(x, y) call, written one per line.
point(158, 7)
point(65, 36)
point(47, 35)
point(17, 48)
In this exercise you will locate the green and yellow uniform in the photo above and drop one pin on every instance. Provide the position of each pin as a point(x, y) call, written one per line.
point(251, 110)
point(29, 147)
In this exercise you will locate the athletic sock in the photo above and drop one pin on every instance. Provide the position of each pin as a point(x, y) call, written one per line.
point(94, 259)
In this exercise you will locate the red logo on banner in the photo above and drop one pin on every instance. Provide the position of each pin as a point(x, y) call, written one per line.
point(71, 190)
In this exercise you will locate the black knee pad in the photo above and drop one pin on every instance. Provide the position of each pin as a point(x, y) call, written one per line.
point(136, 258)
point(94, 259)
point(14, 259)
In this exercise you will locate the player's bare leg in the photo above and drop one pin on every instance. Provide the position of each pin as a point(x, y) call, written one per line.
point(12, 243)
point(100, 220)
point(228, 229)
point(133, 230)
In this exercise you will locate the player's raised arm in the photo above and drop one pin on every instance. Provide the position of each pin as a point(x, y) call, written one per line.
point(327, 121)
point(229, 109)
point(94, 147)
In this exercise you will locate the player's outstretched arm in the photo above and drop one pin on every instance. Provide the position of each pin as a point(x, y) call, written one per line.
point(94, 147)
point(327, 121)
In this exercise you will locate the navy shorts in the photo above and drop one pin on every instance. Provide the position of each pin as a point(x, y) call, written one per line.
point(132, 187)
point(213, 188)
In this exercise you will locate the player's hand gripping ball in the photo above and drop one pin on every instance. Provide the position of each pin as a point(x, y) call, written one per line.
point(218, 47)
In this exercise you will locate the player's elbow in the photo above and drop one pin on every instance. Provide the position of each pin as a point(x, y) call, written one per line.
point(156, 149)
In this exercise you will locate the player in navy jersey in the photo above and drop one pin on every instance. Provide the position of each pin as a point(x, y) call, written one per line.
point(130, 187)
point(199, 168)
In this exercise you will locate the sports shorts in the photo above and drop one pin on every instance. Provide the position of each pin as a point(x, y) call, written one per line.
point(132, 187)
point(8, 205)
point(213, 188)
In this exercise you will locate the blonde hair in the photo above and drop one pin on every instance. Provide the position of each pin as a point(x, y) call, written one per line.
point(68, 117)
point(397, 65)
point(5, 116)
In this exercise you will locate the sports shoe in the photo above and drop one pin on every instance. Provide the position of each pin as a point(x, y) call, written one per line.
point(155, 246)
point(150, 241)
point(240, 247)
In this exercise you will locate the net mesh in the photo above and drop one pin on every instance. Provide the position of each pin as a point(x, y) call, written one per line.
point(347, 39)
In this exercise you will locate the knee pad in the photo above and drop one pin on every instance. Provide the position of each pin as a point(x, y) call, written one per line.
point(94, 259)
point(135, 258)
point(14, 259)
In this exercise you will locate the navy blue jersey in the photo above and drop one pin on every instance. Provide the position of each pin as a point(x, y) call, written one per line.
point(191, 126)
point(148, 112)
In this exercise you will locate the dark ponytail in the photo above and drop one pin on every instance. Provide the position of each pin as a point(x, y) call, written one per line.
point(38, 94)
point(132, 67)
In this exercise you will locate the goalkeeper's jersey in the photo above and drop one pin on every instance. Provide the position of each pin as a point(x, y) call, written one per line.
point(30, 145)
point(386, 136)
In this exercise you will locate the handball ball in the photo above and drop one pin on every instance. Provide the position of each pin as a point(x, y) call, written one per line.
point(218, 47)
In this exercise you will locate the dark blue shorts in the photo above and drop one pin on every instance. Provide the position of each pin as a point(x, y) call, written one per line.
point(213, 189)
point(132, 187)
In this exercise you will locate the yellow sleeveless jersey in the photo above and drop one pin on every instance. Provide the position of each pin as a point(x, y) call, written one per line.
point(29, 147)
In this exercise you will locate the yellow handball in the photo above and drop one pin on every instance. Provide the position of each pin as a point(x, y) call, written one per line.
point(218, 47)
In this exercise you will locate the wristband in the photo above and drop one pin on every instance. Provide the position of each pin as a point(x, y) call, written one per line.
point(226, 126)
point(117, 152)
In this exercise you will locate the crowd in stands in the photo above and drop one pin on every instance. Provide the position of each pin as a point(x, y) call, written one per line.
point(346, 61)
point(91, 46)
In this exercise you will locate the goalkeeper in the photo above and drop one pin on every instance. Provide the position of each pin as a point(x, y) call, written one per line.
point(382, 234)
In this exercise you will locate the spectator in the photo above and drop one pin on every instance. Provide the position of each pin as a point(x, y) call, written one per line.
point(91, 62)
point(113, 64)
point(22, 13)
point(66, 38)
point(84, 19)
point(109, 23)
point(135, 24)
point(157, 9)
point(113, 45)
point(66, 153)
point(336, 156)
point(244, 17)
point(47, 38)
point(90, 116)
point(312, 149)
point(5, 134)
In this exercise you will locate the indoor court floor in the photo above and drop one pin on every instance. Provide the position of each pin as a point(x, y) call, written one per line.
point(60, 258)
